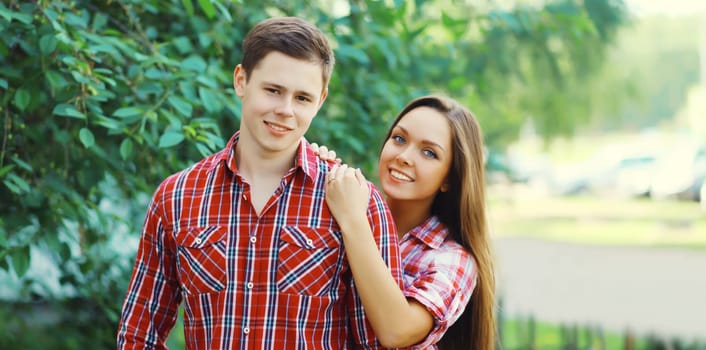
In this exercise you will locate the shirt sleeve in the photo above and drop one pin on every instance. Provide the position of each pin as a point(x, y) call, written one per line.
point(444, 289)
point(385, 235)
point(150, 307)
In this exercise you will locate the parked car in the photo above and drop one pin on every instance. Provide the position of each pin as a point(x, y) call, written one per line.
point(680, 173)
point(633, 176)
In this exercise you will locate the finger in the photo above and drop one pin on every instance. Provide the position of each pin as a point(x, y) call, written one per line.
point(341, 171)
point(331, 155)
point(315, 147)
point(324, 153)
point(360, 177)
point(350, 172)
point(332, 172)
point(338, 160)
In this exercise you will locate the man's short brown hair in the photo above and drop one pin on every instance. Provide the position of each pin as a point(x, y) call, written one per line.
point(291, 36)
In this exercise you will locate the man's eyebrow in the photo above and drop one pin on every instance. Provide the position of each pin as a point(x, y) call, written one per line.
point(280, 87)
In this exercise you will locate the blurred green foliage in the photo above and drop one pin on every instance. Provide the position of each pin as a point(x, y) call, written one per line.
point(99, 101)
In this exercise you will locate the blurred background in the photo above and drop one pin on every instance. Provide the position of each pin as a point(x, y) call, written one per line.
point(593, 112)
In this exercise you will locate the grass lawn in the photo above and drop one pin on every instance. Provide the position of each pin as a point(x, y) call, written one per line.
point(595, 220)
point(523, 334)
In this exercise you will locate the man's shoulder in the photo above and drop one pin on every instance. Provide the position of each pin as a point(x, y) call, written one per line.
point(197, 170)
point(376, 194)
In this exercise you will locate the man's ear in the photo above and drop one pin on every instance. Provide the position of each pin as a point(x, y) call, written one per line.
point(324, 94)
point(239, 80)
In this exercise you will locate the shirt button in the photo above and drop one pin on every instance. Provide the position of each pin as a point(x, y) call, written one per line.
point(253, 239)
point(198, 241)
point(250, 285)
point(309, 242)
point(246, 330)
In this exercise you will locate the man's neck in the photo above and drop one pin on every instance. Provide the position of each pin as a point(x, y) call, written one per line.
point(255, 164)
point(262, 170)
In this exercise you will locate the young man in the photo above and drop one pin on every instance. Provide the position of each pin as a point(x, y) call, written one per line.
point(244, 237)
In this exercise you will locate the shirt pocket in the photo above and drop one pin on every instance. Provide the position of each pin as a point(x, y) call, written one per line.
point(201, 259)
point(309, 261)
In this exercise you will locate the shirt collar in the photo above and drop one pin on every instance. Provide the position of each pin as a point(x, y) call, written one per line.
point(305, 158)
point(432, 232)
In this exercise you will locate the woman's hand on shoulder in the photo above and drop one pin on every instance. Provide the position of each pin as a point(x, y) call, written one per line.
point(347, 194)
point(324, 153)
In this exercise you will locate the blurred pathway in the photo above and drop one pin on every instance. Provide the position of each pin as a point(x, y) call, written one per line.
point(643, 289)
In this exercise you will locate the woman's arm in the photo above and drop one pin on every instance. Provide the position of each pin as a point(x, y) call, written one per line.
point(397, 321)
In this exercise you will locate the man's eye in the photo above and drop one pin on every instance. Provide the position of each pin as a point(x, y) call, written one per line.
point(271, 90)
point(303, 99)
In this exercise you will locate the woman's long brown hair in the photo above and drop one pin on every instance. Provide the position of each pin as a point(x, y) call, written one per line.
point(462, 209)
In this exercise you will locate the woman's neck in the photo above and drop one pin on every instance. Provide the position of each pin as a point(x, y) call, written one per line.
point(408, 214)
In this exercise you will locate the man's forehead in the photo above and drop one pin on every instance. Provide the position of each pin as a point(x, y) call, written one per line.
point(290, 73)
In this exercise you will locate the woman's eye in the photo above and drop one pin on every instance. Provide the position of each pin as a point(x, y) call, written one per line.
point(397, 138)
point(429, 153)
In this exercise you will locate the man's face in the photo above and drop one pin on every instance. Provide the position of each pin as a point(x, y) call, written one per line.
point(279, 101)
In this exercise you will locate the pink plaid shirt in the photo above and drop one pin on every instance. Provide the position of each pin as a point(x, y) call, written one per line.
point(439, 274)
point(274, 281)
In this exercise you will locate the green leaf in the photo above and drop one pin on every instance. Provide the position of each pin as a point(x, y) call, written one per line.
point(107, 123)
point(203, 150)
point(194, 63)
point(170, 138)
point(12, 187)
point(24, 165)
point(126, 148)
point(3, 83)
point(353, 53)
point(86, 137)
point(9, 15)
point(208, 8)
point(127, 112)
point(208, 81)
point(180, 105)
point(47, 44)
point(19, 183)
point(224, 11)
point(20, 260)
point(6, 169)
point(99, 21)
point(75, 21)
point(67, 110)
point(155, 74)
point(209, 100)
point(183, 44)
point(56, 80)
point(21, 99)
point(189, 7)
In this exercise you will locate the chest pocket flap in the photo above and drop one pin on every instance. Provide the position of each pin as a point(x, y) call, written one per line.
point(200, 237)
point(311, 238)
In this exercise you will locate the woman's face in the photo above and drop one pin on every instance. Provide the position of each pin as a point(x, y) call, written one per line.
point(415, 159)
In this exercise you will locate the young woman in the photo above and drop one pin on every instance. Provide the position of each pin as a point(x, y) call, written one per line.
point(431, 170)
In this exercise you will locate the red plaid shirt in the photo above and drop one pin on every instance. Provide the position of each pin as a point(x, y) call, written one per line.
point(439, 274)
point(274, 281)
